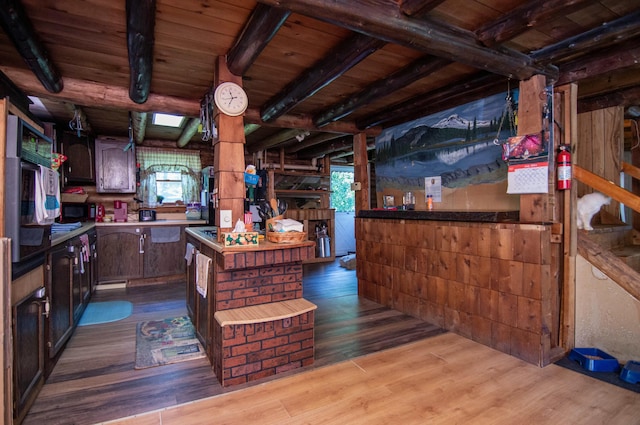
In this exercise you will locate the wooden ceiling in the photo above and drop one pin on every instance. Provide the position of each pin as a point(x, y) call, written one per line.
point(329, 69)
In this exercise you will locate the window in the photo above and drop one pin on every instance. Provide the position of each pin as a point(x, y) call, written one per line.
point(169, 186)
point(342, 197)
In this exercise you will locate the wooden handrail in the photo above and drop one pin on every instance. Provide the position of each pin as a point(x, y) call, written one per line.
point(631, 170)
point(607, 187)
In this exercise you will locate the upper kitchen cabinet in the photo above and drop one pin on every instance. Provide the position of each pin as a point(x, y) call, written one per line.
point(79, 168)
point(115, 166)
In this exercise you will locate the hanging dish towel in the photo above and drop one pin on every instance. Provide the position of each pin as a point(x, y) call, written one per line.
point(203, 263)
point(189, 254)
point(47, 195)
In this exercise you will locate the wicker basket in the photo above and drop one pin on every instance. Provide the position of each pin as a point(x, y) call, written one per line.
point(286, 237)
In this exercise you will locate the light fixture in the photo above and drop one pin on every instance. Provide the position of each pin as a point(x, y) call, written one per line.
point(167, 120)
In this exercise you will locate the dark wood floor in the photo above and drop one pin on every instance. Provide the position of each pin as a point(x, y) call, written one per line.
point(95, 380)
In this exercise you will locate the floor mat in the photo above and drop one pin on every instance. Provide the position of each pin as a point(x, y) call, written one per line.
point(610, 377)
point(161, 342)
point(105, 312)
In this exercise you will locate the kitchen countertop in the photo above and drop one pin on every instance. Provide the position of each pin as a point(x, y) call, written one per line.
point(58, 238)
point(264, 245)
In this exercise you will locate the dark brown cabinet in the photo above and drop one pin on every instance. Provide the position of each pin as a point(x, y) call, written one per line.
point(59, 282)
point(28, 351)
point(199, 307)
point(120, 253)
point(115, 166)
point(128, 252)
point(79, 168)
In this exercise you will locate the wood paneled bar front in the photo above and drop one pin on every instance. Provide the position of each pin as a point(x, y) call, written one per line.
point(492, 280)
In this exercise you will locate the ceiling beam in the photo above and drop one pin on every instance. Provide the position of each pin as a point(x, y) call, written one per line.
point(522, 19)
point(624, 97)
point(189, 131)
point(416, 70)
point(88, 93)
point(141, 20)
point(383, 20)
point(18, 27)
point(345, 142)
point(273, 140)
point(263, 24)
point(313, 141)
point(418, 8)
point(337, 62)
point(601, 62)
point(617, 31)
point(139, 124)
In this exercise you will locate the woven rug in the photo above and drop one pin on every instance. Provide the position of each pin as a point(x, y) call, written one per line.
point(161, 342)
point(105, 312)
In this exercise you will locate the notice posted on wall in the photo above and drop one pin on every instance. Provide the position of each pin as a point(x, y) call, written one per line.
point(528, 178)
point(433, 187)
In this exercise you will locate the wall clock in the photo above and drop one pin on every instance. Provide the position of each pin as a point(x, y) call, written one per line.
point(231, 99)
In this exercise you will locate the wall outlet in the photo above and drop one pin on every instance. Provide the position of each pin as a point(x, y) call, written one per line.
point(225, 218)
point(356, 186)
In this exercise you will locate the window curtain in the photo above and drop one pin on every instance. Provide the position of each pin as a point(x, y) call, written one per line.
point(185, 162)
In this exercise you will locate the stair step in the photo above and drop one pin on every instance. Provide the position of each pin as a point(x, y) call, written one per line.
point(610, 236)
point(630, 254)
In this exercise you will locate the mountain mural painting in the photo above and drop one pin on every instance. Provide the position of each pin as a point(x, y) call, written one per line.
point(463, 145)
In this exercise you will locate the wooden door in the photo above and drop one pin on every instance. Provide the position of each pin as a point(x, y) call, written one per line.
point(115, 167)
point(163, 253)
point(120, 251)
point(80, 163)
point(28, 352)
point(59, 290)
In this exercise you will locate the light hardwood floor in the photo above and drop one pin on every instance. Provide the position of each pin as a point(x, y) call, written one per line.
point(446, 379)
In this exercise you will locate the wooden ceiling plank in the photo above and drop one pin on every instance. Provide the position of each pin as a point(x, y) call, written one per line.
point(274, 140)
point(141, 18)
point(384, 21)
point(383, 87)
point(523, 18)
point(313, 141)
point(18, 27)
point(263, 24)
point(344, 57)
point(418, 8)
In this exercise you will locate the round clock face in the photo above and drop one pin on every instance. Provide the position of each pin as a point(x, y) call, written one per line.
point(231, 99)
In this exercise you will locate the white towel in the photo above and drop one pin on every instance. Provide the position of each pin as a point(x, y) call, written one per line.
point(189, 254)
point(203, 264)
point(47, 195)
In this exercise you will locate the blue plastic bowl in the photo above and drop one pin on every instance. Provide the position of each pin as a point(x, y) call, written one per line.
point(594, 360)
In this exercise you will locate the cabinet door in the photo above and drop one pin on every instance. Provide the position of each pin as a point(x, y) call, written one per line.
point(120, 251)
point(28, 352)
point(59, 288)
point(115, 167)
point(164, 251)
point(80, 153)
point(191, 281)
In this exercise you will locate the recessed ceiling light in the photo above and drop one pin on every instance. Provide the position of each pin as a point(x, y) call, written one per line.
point(167, 120)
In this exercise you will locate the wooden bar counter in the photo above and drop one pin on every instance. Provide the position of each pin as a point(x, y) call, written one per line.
point(246, 343)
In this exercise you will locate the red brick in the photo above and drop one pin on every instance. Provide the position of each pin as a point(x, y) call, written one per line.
point(271, 289)
point(231, 285)
point(262, 299)
point(245, 348)
point(307, 362)
point(287, 349)
point(275, 361)
point(275, 342)
point(259, 282)
point(307, 343)
point(240, 262)
point(246, 369)
point(278, 257)
point(235, 361)
point(284, 278)
point(262, 335)
point(261, 355)
point(286, 296)
point(268, 257)
point(264, 373)
point(234, 381)
point(245, 293)
point(302, 354)
point(223, 277)
point(224, 295)
point(270, 271)
point(245, 274)
point(288, 367)
point(293, 286)
point(227, 305)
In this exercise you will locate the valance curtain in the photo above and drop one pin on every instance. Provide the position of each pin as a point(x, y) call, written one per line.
point(152, 160)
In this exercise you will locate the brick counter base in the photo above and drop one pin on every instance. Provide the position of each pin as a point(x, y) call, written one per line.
point(259, 341)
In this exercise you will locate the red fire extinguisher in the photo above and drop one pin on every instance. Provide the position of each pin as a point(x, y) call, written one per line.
point(564, 168)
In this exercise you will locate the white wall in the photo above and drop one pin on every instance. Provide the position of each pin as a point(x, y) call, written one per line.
point(345, 233)
point(607, 317)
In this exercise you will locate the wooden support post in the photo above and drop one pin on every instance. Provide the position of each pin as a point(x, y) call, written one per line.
point(361, 175)
point(229, 157)
point(534, 208)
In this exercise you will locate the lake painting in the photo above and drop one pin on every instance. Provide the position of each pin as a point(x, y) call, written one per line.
point(458, 144)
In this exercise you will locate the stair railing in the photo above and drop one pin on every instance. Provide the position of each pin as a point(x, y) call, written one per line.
point(608, 187)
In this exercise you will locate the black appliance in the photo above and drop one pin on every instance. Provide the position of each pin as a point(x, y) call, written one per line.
point(77, 211)
point(27, 149)
point(146, 215)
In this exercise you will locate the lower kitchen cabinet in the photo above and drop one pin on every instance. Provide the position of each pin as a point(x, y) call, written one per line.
point(128, 252)
point(199, 307)
point(28, 341)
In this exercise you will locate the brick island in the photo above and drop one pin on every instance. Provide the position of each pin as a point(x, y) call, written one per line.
point(253, 321)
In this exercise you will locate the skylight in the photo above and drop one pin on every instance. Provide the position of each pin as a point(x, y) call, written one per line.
point(167, 120)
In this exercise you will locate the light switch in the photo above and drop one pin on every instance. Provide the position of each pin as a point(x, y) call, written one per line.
point(356, 186)
point(225, 218)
